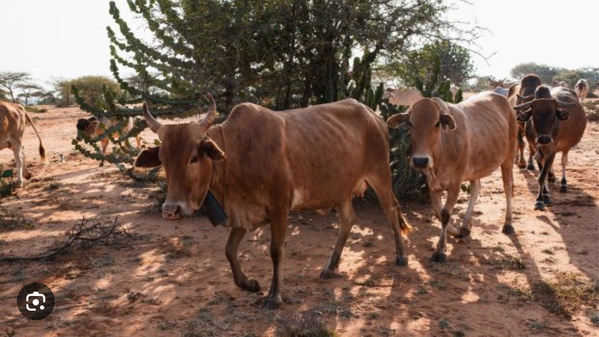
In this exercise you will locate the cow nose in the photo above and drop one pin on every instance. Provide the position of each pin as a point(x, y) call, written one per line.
point(420, 162)
point(544, 140)
point(171, 212)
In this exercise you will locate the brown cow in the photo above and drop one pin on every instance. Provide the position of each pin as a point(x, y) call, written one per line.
point(452, 143)
point(13, 119)
point(94, 127)
point(558, 122)
point(519, 94)
point(261, 164)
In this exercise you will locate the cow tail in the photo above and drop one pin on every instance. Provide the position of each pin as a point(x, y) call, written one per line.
point(41, 147)
point(403, 224)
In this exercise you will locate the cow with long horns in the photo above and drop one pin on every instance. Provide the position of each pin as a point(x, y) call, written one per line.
point(557, 121)
point(261, 164)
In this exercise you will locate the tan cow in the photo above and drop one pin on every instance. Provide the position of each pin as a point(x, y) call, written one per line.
point(403, 96)
point(556, 121)
point(452, 143)
point(261, 164)
point(13, 119)
point(94, 127)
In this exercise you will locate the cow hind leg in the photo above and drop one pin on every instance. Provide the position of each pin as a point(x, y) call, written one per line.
point(399, 225)
point(563, 186)
point(347, 217)
point(467, 224)
point(19, 153)
point(241, 280)
point(452, 197)
point(278, 227)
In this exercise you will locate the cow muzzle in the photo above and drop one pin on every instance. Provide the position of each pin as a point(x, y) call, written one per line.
point(421, 162)
point(171, 212)
point(544, 140)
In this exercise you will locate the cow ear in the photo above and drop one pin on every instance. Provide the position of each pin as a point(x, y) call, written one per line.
point(562, 114)
point(447, 121)
point(398, 119)
point(523, 117)
point(148, 158)
point(212, 150)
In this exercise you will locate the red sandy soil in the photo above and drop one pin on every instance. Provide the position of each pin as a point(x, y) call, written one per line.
point(172, 278)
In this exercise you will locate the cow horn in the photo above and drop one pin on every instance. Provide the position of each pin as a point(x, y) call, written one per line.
point(523, 106)
point(152, 122)
point(211, 116)
point(563, 104)
point(522, 98)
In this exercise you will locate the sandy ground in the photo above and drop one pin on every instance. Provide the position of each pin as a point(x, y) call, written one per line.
point(172, 278)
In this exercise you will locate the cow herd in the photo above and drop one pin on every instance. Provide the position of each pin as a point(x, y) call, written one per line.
point(260, 164)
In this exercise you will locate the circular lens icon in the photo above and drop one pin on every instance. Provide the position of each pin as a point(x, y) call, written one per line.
point(35, 301)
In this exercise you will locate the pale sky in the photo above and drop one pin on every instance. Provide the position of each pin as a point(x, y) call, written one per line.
point(67, 38)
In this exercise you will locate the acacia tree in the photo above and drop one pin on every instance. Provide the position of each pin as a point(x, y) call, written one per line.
point(29, 90)
point(10, 79)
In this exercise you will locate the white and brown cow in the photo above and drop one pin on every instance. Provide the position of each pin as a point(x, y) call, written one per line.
point(582, 89)
point(556, 121)
point(403, 96)
point(93, 127)
point(452, 143)
point(261, 164)
point(13, 119)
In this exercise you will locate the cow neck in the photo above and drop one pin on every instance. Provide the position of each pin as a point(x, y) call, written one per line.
point(218, 181)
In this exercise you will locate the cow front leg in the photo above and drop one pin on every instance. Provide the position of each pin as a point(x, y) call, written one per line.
point(531, 155)
point(241, 280)
point(278, 228)
point(508, 189)
point(452, 197)
point(543, 197)
point(346, 220)
point(520, 151)
point(467, 224)
point(563, 186)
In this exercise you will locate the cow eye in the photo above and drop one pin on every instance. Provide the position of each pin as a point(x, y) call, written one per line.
point(438, 124)
point(193, 160)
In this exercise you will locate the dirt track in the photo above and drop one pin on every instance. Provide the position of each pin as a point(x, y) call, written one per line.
point(172, 278)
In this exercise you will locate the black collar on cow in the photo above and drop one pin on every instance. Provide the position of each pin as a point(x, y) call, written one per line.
point(212, 208)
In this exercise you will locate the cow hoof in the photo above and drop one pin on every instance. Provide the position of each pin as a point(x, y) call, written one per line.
point(508, 229)
point(438, 257)
point(272, 303)
point(401, 261)
point(547, 200)
point(563, 189)
point(539, 206)
point(521, 165)
point(251, 285)
point(328, 274)
point(464, 232)
point(530, 167)
point(551, 179)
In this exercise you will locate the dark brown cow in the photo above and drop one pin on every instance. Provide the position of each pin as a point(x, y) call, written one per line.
point(13, 119)
point(452, 143)
point(261, 164)
point(558, 122)
point(519, 94)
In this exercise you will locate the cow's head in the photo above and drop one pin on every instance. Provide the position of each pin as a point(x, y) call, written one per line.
point(87, 127)
point(186, 153)
point(425, 120)
point(544, 110)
